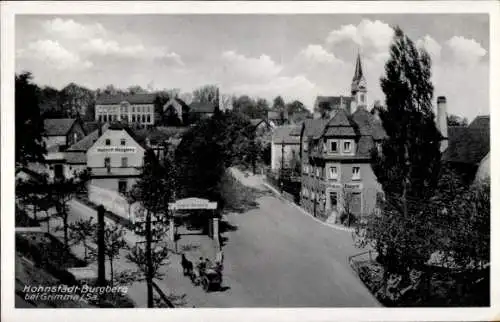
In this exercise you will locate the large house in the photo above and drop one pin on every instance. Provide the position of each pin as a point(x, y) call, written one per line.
point(133, 108)
point(61, 133)
point(115, 159)
point(336, 154)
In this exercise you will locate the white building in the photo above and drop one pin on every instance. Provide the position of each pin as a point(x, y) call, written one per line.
point(136, 108)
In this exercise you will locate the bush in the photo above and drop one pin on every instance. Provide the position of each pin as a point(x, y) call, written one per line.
point(348, 219)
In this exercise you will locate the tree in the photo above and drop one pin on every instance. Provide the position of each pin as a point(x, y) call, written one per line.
point(454, 120)
point(208, 94)
point(61, 191)
point(76, 100)
point(81, 231)
point(29, 124)
point(153, 192)
point(279, 106)
point(409, 163)
point(136, 89)
point(114, 242)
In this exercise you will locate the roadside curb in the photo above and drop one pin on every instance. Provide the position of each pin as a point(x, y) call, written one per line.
point(336, 227)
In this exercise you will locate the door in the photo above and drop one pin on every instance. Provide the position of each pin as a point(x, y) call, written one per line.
point(333, 201)
point(356, 203)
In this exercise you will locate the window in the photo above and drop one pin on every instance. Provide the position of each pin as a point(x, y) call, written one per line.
point(143, 118)
point(124, 162)
point(108, 142)
point(133, 117)
point(333, 200)
point(333, 146)
point(148, 118)
point(100, 118)
point(355, 202)
point(107, 163)
point(122, 142)
point(356, 173)
point(122, 186)
point(347, 146)
point(333, 173)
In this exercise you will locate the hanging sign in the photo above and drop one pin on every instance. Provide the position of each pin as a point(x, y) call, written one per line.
point(192, 203)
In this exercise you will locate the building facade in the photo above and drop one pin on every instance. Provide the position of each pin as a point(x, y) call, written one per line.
point(62, 133)
point(136, 108)
point(285, 147)
point(115, 159)
point(336, 154)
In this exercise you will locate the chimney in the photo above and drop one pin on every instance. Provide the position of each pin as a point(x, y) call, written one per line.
point(441, 121)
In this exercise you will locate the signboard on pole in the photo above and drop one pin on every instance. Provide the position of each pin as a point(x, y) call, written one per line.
point(192, 203)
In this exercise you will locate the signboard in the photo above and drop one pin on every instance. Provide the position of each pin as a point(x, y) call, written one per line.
point(116, 149)
point(192, 203)
point(353, 185)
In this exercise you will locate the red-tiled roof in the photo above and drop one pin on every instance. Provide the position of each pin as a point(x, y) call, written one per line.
point(132, 99)
point(57, 127)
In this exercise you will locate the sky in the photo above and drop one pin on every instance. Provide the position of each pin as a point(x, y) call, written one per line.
point(261, 55)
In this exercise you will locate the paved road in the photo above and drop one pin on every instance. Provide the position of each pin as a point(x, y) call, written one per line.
point(276, 257)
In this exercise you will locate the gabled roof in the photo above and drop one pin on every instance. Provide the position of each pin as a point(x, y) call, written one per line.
point(178, 100)
point(57, 127)
point(314, 127)
point(283, 134)
point(107, 99)
point(159, 134)
point(275, 115)
point(86, 143)
point(199, 107)
point(468, 145)
point(90, 127)
point(75, 157)
point(482, 121)
point(333, 101)
point(339, 125)
point(368, 125)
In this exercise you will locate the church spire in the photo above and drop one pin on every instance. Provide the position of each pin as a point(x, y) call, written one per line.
point(358, 80)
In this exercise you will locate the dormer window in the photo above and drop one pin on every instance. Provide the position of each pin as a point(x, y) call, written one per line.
point(333, 146)
point(347, 146)
point(108, 142)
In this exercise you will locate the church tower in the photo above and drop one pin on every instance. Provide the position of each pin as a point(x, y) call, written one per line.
point(358, 87)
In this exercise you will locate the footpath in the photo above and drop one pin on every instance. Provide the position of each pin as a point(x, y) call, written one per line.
point(173, 283)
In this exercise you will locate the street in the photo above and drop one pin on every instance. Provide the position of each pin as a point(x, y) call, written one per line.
point(275, 256)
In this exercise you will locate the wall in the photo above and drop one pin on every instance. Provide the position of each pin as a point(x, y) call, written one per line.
point(288, 151)
point(112, 183)
point(367, 186)
point(113, 202)
point(95, 159)
point(71, 169)
point(55, 141)
point(78, 130)
point(129, 110)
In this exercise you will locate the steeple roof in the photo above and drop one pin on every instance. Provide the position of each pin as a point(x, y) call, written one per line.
point(358, 80)
point(358, 72)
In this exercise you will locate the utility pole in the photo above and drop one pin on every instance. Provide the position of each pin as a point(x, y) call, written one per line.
point(101, 267)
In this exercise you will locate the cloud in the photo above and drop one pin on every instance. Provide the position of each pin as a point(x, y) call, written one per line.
point(370, 36)
point(318, 54)
point(56, 56)
point(111, 48)
point(431, 46)
point(71, 29)
point(237, 66)
point(465, 51)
